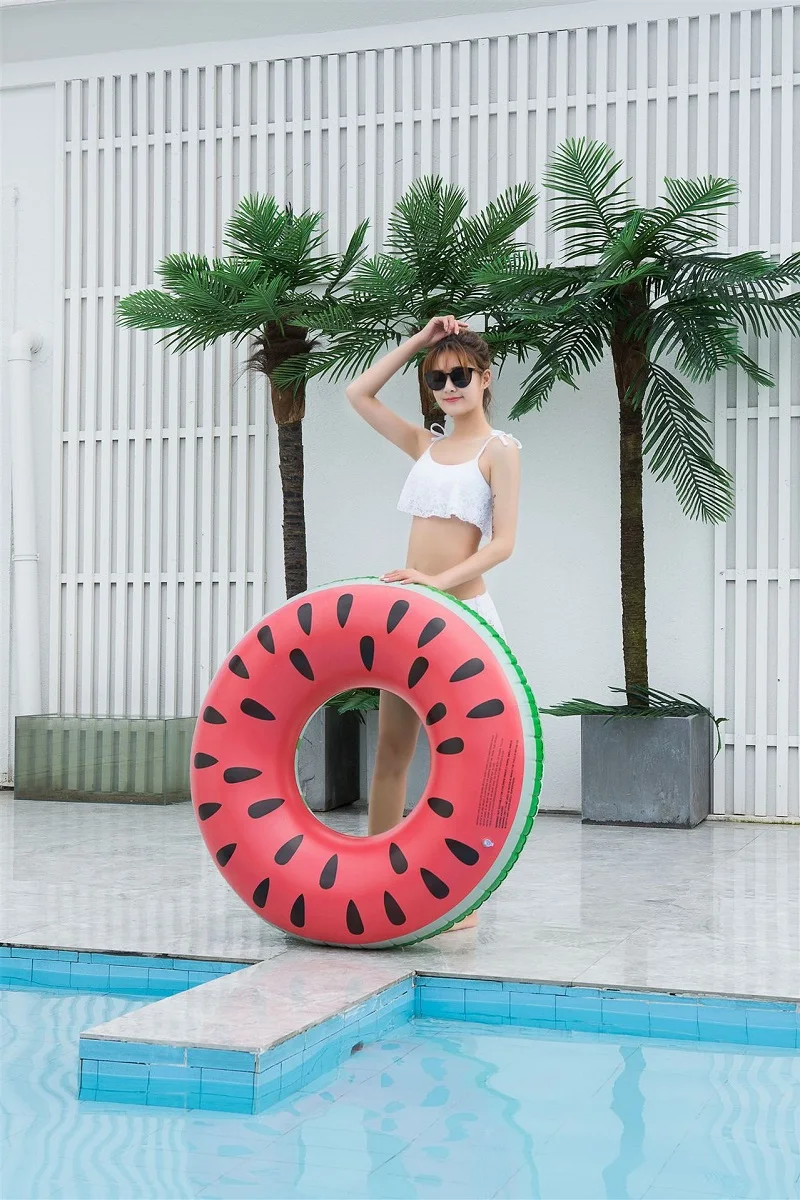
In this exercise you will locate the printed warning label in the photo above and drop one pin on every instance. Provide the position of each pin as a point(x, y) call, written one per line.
point(499, 783)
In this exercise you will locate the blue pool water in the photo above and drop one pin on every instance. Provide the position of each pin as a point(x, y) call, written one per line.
point(440, 1109)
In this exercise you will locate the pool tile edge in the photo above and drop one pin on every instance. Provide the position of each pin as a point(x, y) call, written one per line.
point(235, 1080)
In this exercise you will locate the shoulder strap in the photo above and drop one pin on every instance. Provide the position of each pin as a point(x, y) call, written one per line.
point(505, 438)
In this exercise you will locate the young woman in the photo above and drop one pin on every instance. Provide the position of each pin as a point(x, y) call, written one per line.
point(462, 486)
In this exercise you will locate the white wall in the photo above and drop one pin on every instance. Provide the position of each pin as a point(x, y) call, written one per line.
point(27, 133)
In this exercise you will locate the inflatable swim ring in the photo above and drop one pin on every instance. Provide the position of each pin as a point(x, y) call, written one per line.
point(462, 838)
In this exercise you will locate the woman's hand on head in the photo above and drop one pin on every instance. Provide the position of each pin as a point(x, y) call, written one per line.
point(409, 575)
point(440, 327)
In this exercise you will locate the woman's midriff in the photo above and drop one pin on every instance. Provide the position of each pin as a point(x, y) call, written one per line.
point(436, 544)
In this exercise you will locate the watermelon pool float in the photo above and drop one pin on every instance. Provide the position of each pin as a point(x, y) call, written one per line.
point(462, 838)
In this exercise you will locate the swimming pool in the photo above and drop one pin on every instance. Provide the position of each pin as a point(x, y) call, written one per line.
point(438, 1108)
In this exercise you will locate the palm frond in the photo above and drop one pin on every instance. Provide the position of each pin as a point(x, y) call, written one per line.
point(193, 320)
point(641, 272)
point(261, 228)
point(381, 279)
point(265, 303)
point(737, 274)
point(488, 232)
point(357, 700)
point(420, 226)
point(703, 340)
point(525, 299)
point(175, 269)
point(582, 175)
point(651, 703)
point(150, 309)
point(349, 354)
point(690, 213)
point(763, 315)
point(564, 352)
point(627, 245)
point(680, 447)
point(352, 255)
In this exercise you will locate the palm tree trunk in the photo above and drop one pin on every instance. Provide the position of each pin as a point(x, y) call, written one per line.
point(629, 360)
point(290, 455)
point(274, 345)
point(631, 542)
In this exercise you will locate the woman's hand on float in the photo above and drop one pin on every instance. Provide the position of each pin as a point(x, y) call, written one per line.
point(409, 575)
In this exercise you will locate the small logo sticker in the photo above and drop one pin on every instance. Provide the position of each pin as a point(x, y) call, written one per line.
point(488, 843)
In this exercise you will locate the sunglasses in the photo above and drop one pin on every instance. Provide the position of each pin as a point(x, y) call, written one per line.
point(461, 377)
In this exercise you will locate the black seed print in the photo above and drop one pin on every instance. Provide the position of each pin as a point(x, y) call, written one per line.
point(431, 630)
point(204, 811)
point(252, 708)
point(354, 923)
point(301, 663)
point(298, 914)
point(213, 717)
point(288, 850)
point(396, 614)
point(262, 808)
point(464, 854)
point(418, 669)
point(261, 893)
point(397, 859)
point(393, 910)
point(436, 886)
point(224, 854)
point(442, 808)
point(264, 635)
point(473, 666)
point(452, 745)
point(489, 708)
point(437, 712)
point(204, 760)
point(304, 615)
point(367, 649)
point(343, 606)
point(238, 667)
point(240, 774)
point(328, 875)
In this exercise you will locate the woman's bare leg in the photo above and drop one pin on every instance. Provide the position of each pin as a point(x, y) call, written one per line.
point(398, 730)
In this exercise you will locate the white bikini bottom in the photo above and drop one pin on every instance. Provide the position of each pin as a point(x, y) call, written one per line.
point(483, 605)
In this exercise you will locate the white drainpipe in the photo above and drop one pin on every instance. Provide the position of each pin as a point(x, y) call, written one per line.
point(25, 559)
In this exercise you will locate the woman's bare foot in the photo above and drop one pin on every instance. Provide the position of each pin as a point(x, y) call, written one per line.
point(468, 922)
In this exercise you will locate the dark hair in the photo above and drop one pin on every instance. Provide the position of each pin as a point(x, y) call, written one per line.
point(470, 349)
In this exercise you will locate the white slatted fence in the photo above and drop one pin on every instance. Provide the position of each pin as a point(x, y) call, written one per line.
point(160, 502)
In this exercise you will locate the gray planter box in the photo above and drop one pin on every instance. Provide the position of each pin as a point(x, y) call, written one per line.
point(127, 760)
point(646, 771)
point(328, 761)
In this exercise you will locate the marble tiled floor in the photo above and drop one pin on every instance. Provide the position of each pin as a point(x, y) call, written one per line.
point(714, 909)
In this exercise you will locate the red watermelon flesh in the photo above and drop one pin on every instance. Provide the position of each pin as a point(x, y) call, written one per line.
point(282, 861)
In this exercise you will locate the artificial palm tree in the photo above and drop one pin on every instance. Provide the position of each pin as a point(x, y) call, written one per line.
point(646, 286)
point(272, 289)
point(431, 255)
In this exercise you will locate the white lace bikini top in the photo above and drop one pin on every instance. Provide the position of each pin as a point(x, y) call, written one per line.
point(435, 489)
